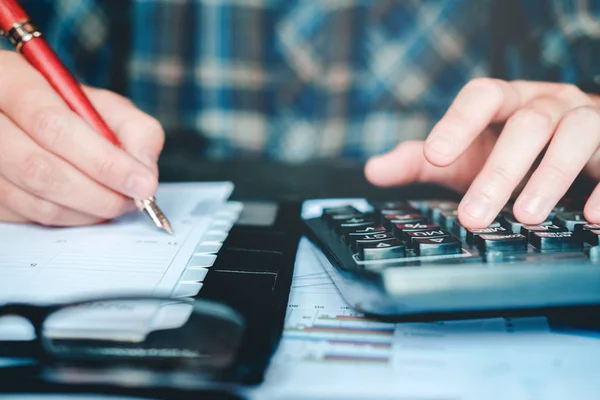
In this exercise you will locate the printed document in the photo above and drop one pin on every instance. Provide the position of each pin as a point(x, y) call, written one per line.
point(329, 351)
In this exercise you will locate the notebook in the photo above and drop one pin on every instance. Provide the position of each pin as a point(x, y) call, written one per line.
point(127, 256)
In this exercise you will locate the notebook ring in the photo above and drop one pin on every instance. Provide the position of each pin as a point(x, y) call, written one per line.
point(22, 33)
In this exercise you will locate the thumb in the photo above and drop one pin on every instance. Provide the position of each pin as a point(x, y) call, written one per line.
point(407, 164)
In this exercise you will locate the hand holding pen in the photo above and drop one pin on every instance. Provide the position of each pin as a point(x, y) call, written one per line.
point(64, 160)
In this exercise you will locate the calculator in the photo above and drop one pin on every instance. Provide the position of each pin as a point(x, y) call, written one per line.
point(413, 259)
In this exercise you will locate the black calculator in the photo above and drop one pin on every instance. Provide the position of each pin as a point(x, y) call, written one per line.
point(414, 259)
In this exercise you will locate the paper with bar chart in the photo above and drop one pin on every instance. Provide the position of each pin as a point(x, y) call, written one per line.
point(330, 351)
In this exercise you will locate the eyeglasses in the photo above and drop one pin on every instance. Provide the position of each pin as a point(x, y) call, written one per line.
point(133, 340)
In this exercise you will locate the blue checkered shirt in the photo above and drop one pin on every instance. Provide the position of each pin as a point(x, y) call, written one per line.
point(305, 79)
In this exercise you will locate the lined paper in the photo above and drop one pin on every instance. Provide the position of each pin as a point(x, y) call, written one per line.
point(126, 256)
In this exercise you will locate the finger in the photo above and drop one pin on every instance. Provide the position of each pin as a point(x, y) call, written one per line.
point(591, 210)
point(7, 215)
point(26, 165)
point(480, 103)
point(575, 140)
point(141, 135)
point(406, 164)
point(592, 168)
point(43, 115)
point(20, 206)
point(523, 138)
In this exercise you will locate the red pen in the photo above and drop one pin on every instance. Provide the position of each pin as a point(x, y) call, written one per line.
point(28, 41)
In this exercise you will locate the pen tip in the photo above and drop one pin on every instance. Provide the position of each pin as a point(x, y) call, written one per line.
point(152, 210)
point(167, 227)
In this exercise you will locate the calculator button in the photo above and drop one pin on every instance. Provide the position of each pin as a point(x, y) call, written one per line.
point(352, 224)
point(421, 205)
point(555, 240)
point(334, 218)
point(508, 220)
point(447, 219)
point(369, 230)
point(383, 250)
point(400, 230)
point(328, 213)
point(557, 209)
point(392, 208)
point(391, 205)
point(472, 234)
point(458, 230)
point(437, 246)
point(427, 205)
point(395, 211)
point(591, 236)
point(411, 237)
point(572, 220)
point(529, 230)
point(495, 224)
point(339, 210)
point(590, 227)
point(436, 210)
point(510, 242)
point(389, 220)
point(370, 239)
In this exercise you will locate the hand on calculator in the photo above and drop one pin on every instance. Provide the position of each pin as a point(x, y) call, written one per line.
point(488, 145)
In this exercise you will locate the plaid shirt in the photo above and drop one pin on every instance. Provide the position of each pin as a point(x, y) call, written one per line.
point(301, 79)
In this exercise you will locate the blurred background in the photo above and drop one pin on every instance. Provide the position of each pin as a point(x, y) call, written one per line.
point(325, 83)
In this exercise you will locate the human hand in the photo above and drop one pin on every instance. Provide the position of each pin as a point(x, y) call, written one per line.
point(54, 168)
point(466, 151)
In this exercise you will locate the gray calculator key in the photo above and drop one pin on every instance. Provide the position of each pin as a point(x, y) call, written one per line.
point(435, 212)
point(369, 230)
point(400, 230)
point(555, 240)
point(352, 224)
point(412, 237)
point(529, 230)
point(458, 230)
point(572, 220)
point(391, 205)
point(509, 221)
point(591, 227)
point(374, 238)
point(472, 234)
point(437, 246)
point(338, 210)
point(335, 218)
point(591, 236)
point(389, 220)
point(512, 242)
point(383, 250)
point(328, 213)
point(447, 218)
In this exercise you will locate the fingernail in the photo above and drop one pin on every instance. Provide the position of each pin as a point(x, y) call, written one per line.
point(441, 144)
point(138, 186)
point(477, 206)
point(533, 204)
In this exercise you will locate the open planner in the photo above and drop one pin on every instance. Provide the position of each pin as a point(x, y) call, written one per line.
point(127, 256)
